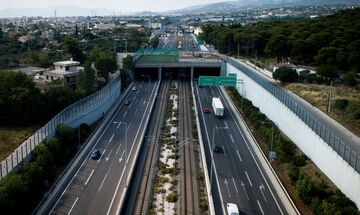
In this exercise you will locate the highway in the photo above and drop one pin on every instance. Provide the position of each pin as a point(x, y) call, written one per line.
point(237, 175)
point(97, 185)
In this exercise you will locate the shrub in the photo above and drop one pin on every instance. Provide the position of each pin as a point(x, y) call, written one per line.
point(299, 161)
point(285, 74)
point(172, 197)
point(293, 173)
point(341, 104)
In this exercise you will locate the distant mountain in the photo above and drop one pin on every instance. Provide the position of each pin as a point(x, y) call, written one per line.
point(50, 11)
point(230, 6)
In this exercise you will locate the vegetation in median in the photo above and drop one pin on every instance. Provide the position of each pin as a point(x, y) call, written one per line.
point(311, 186)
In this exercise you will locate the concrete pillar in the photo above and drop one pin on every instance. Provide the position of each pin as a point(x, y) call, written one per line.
point(192, 73)
point(159, 73)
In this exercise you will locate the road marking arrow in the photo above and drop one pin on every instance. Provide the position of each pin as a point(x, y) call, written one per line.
point(227, 187)
point(122, 155)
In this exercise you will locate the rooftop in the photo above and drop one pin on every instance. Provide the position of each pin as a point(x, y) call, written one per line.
point(67, 63)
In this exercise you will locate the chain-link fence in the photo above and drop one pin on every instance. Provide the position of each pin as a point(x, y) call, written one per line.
point(87, 110)
point(350, 156)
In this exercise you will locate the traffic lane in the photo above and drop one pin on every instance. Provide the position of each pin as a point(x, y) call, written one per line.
point(251, 172)
point(114, 173)
point(268, 192)
point(206, 142)
point(84, 173)
point(230, 179)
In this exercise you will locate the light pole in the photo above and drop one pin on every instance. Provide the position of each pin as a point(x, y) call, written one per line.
point(272, 136)
point(212, 155)
point(125, 44)
point(126, 160)
point(80, 114)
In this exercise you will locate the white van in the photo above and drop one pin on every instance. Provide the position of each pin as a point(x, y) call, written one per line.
point(232, 209)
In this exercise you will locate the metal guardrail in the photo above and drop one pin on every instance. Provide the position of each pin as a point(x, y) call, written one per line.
point(88, 110)
point(350, 156)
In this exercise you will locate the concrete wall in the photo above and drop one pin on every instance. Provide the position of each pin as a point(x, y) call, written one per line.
point(333, 165)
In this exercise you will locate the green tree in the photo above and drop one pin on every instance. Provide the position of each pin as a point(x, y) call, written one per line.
point(154, 42)
point(304, 188)
point(351, 79)
point(72, 47)
point(326, 55)
point(86, 79)
point(127, 63)
point(105, 65)
point(327, 71)
point(285, 75)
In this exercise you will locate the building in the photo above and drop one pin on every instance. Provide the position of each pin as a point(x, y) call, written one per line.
point(26, 38)
point(48, 34)
point(156, 25)
point(64, 70)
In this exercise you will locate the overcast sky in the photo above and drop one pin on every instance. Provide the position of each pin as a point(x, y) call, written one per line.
point(117, 5)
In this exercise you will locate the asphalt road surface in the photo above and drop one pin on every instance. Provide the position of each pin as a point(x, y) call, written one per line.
point(237, 175)
point(97, 184)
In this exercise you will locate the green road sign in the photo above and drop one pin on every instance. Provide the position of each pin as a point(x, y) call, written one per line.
point(226, 81)
point(233, 75)
point(207, 80)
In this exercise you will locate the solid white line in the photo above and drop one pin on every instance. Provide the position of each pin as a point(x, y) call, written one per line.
point(224, 150)
point(118, 149)
point(237, 152)
point(77, 198)
point(111, 137)
point(129, 125)
point(87, 181)
point(262, 192)
point(262, 212)
point(112, 119)
point(208, 140)
point(101, 155)
point(125, 114)
point(235, 185)
point(231, 137)
point(252, 155)
point(248, 178)
point(102, 182)
point(136, 109)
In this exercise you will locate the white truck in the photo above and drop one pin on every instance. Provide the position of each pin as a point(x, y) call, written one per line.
point(217, 106)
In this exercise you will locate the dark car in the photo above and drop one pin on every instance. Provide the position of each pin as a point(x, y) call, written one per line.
point(127, 102)
point(216, 148)
point(95, 154)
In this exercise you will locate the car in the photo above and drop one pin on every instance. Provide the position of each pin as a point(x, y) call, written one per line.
point(232, 209)
point(127, 102)
point(216, 148)
point(95, 154)
point(134, 89)
point(206, 110)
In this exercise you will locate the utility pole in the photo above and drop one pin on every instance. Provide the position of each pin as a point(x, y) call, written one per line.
point(238, 53)
point(330, 95)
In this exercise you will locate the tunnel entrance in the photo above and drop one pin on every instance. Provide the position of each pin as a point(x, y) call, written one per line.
point(176, 73)
point(206, 71)
point(141, 73)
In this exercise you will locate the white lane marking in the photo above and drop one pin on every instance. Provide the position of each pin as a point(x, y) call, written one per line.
point(118, 149)
point(102, 183)
point(226, 126)
point(112, 137)
point(262, 212)
point(262, 188)
point(248, 178)
point(127, 160)
point(129, 125)
point(208, 140)
point(235, 185)
point(136, 110)
point(227, 187)
point(108, 157)
point(77, 198)
point(87, 181)
point(224, 150)
point(82, 164)
point(125, 114)
point(232, 139)
point(134, 98)
point(243, 185)
point(251, 153)
point(130, 105)
point(121, 158)
point(101, 155)
point(237, 152)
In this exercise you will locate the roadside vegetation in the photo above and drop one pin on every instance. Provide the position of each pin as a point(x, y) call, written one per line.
point(345, 102)
point(24, 187)
point(311, 190)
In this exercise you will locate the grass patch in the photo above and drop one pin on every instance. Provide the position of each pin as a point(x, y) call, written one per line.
point(11, 138)
point(318, 96)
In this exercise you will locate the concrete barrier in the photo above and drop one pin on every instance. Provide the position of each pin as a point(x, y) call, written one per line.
point(329, 161)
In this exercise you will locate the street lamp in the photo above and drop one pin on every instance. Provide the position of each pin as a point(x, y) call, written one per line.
point(212, 155)
point(79, 114)
point(126, 160)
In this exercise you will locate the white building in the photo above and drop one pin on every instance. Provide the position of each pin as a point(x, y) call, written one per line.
point(156, 25)
point(64, 70)
point(48, 34)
